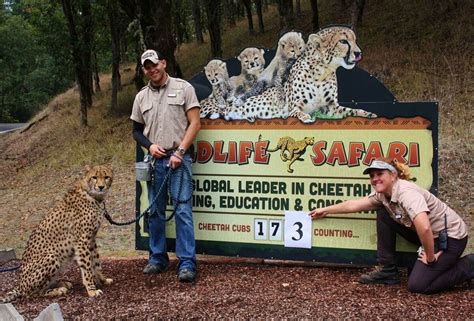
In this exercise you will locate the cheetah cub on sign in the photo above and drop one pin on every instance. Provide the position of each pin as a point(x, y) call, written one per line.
point(215, 105)
point(290, 47)
point(67, 232)
point(252, 63)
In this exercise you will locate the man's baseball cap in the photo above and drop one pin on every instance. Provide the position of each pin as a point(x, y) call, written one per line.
point(376, 164)
point(151, 55)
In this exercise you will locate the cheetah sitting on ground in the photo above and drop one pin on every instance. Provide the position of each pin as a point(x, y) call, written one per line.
point(67, 232)
point(312, 83)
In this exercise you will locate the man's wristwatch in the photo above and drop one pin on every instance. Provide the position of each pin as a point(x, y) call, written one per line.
point(181, 151)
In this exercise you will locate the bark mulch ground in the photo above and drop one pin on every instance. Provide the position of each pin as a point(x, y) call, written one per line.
point(238, 290)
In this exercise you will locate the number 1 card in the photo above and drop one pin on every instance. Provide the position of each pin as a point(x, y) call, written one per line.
point(297, 229)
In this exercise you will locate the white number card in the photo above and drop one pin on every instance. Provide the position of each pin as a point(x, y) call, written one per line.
point(297, 229)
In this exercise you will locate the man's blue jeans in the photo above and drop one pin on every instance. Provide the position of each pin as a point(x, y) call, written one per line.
point(181, 187)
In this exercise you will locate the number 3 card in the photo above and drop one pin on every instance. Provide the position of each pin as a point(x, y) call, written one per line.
point(297, 229)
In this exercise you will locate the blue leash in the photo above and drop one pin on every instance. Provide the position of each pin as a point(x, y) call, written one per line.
point(147, 213)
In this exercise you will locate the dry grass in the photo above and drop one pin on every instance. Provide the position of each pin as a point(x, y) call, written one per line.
point(418, 49)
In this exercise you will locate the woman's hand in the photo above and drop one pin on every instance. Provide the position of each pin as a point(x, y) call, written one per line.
point(424, 258)
point(318, 213)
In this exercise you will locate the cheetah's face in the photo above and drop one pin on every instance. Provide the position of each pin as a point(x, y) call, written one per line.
point(216, 72)
point(346, 51)
point(291, 45)
point(309, 140)
point(252, 60)
point(97, 181)
point(337, 46)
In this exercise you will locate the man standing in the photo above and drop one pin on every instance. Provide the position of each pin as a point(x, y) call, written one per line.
point(166, 121)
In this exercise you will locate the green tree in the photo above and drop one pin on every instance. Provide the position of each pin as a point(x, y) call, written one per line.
point(17, 61)
point(34, 61)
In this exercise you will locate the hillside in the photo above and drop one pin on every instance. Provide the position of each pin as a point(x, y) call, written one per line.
point(422, 51)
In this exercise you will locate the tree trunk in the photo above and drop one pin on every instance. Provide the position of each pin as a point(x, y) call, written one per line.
point(239, 9)
point(248, 11)
point(196, 10)
point(286, 13)
point(357, 11)
point(178, 21)
point(214, 26)
point(155, 31)
point(96, 75)
point(112, 7)
point(230, 12)
point(88, 38)
point(157, 25)
point(298, 8)
point(81, 51)
point(292, 9)
point(258, 4)
point(315, 17)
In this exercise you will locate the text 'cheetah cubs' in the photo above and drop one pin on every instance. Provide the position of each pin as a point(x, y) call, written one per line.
point(67, 232)
point(312, 84)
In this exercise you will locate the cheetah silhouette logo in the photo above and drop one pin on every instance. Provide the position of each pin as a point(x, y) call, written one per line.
point(291, 150)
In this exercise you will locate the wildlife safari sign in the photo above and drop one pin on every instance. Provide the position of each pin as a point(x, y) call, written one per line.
point(288, 130)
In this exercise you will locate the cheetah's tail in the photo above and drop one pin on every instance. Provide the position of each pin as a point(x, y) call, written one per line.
point(11, 296)
point(278, 146)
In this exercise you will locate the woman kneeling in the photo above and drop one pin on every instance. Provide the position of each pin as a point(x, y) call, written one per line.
point(419, 217)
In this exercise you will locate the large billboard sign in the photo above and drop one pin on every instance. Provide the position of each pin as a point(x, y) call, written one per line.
point(260, 162)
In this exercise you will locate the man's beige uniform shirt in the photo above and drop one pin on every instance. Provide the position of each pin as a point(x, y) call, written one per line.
point(163, 111)
point(408, 200)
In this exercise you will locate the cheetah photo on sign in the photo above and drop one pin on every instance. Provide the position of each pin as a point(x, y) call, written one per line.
point(66, 233)
point(301, 82)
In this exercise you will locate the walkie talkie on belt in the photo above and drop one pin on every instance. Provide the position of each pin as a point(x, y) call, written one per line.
point(443, 236)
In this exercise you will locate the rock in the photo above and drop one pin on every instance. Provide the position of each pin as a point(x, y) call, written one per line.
point(9, 313)
point(51, 313)
point(6, 255)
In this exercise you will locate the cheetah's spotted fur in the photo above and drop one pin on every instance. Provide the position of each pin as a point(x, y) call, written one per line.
point(65, 233)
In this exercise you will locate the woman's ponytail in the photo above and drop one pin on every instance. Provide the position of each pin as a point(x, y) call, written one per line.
point(403, 170)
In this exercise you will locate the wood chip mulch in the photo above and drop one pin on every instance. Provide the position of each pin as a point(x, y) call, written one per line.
point(244, 291)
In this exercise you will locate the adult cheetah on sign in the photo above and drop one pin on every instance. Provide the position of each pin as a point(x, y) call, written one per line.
point(67, 232)
point(312, 83)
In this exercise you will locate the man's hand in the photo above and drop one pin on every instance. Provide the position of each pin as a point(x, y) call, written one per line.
point(157, 151)
point(175, 161)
